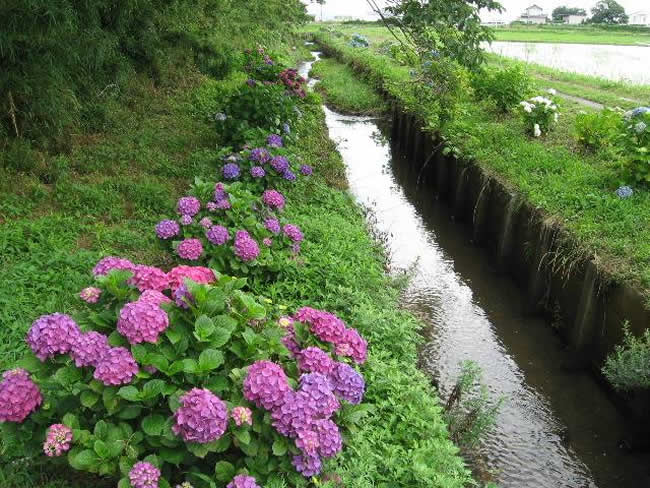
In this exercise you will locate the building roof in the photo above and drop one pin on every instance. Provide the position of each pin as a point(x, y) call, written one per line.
point(534, 6)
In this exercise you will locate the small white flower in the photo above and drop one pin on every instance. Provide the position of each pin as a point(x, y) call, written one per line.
point(552, 91)
point(536, 130)
point(556, 116)
point(640, 127)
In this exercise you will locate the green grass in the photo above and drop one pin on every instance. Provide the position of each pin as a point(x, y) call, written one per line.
point(553, 173)
point(344, 91)
point(573, 34)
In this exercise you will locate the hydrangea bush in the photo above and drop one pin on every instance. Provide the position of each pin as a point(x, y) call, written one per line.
point(540, 113)
point(236, 231)
point(204, 390)
point(634, 145)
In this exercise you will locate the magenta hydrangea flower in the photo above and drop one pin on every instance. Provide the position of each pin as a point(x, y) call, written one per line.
point(241, 416)
point(258, 172)
point(267, 241)
point(316, 388)
point(220, 192)
point(109, 263)
point(188, 206)
point(266, 384)
point(315, 360)
point(357, 345)
point(285, 322)
point(190, 249)
point(246, 248)
point(166, 229)
point(280, 164)
point(290, 341)
point(295, 248)
point(307, 465)
point(144, 475)
point(89, 348)
point(58, 440)
point(149, 278)
point(274, 140)
point(198, 274)
point(293, 232)
point(224, 204)
point(153, 296)
point(116, 367)
point(260, 155)
point(307, 441)
point(205, 222)
point(347, 383)
point(202, 416)
point(306, 170)
point(329, 441)
point(243, 481)
point(52, 334)
point(19, 396)
point(211, 206)
point(183, 297)
point(186, 220)
point(272, 225)
point(294, 414)
point(231, 171)
point(90, 294)
point(217, 235)
point(273, 199)
point(324, 325)
point(142, 322)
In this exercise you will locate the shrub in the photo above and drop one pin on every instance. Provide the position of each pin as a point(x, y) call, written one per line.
point(197, 388)
point(628, 367)
point(539, 114)
point(598, 130)
point(359, 41)
point(634, 144)
point(506, 87)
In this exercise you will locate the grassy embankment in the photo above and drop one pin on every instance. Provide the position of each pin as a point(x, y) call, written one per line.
point(553, 173)
point(111, 188)
point(574, 34)
point(599, 90)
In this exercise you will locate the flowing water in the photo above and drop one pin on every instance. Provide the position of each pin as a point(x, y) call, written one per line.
point(556, 428)
point(619, 63)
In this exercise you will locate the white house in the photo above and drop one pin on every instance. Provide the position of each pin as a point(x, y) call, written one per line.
point(639, 18)
point(533, 15)
point(574, 19)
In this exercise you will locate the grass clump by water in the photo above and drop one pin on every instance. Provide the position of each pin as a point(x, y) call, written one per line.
point(344, 91)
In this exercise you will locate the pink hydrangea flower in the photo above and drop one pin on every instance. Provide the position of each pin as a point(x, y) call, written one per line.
point(357, 344)
point(330, 442)
point(142, 322)
point(273, 199)
point(202, 416)
point(198, 274)
point(188, 206)
point(90, 294)
point(307, 465)
point(265, 384)
point(52, 334)
point(144, 475)
point(154, 297)
point(315, 360)
point(241, 416)
point(246, 248)
point(117, 367)
point(243, 481)
point(57, 440)
point(89, 348)
point(109, 263)
point(293, 232)
point(268, 242)
point(317, 391)
point(290, 341)
point(149, 278)
point(19, 396)
point(186, 220)
point(205, 222)
point(324, 325)
point(190, 249)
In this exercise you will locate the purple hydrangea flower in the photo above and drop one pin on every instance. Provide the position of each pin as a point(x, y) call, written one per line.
point(144, 475)
point(293, 232)
point(274, 140)
point(183, 297)
point(260, 155)
point(265, 384)
point(294, 414)
point(324, 325)
point(57, 440)
point(241, 416)
point(280, 164)
point(202, 416)
point(190, 249)
point(211, 206)
point(315, 360)
point(317, 389)
point(166, 229)
point(188, 206)
point(307, 441)
point(217, 235)
point(153, 296)
point(306, 170)
point(109, 263)
point(142, 322)
point(250, 82)
point(347, 383)
point(357, 345)
point(307, 465)
point(329, 441)
point(243, 481)
point(52, 334)
point(116, 367)
point(289, 175)
point(267, 241)
point(290, 342)
point(19, 396)
point(231, 171)
point(258, 172)
point(295, 248)
point(149, 278)
point(186, 220)
point(224, 204)
point(272, 225)
point(90, 294)
point(273, 199)
point(268, 60)
point(246, 248)
point(205, 222)
point(89, 348)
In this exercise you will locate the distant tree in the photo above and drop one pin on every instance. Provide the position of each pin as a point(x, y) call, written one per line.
point(560, 12)
point(608, 12)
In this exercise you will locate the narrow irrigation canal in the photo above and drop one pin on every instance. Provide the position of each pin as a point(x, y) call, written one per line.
point(556, 428)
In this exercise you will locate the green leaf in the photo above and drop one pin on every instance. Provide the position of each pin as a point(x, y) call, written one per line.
point(129, 393)
point(175, 368)
point(158, 361)
point(130, 412)
point(224, 471)
point(101, 430)
point(153, 424)
point(243, 436)
point(279, 447)
point(210, 359)
point(203, 328)
point(83, 460)
point(115, 339)
point(100, 448)
point(174, 335)
point(124, 483)
point(153, 388)
point(88, 398)
point(126, 463)
point(115, 448)
point(67, 375)
point(30, 363)
point(110, 400)
point(190, 366)
point(71, 421)
point(172, 455)
point(139, 353)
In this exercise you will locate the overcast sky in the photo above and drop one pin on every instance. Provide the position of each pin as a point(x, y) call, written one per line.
point(360, 9)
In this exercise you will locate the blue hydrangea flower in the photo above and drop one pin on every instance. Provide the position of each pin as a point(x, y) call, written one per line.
point(231, 171)
point(624, 192)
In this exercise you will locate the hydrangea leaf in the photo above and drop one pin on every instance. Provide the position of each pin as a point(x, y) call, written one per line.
point(210, 359)
point(280, 447)
point(153, 424)
point(224, 471)
point(129, 393)
point(88, 398)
